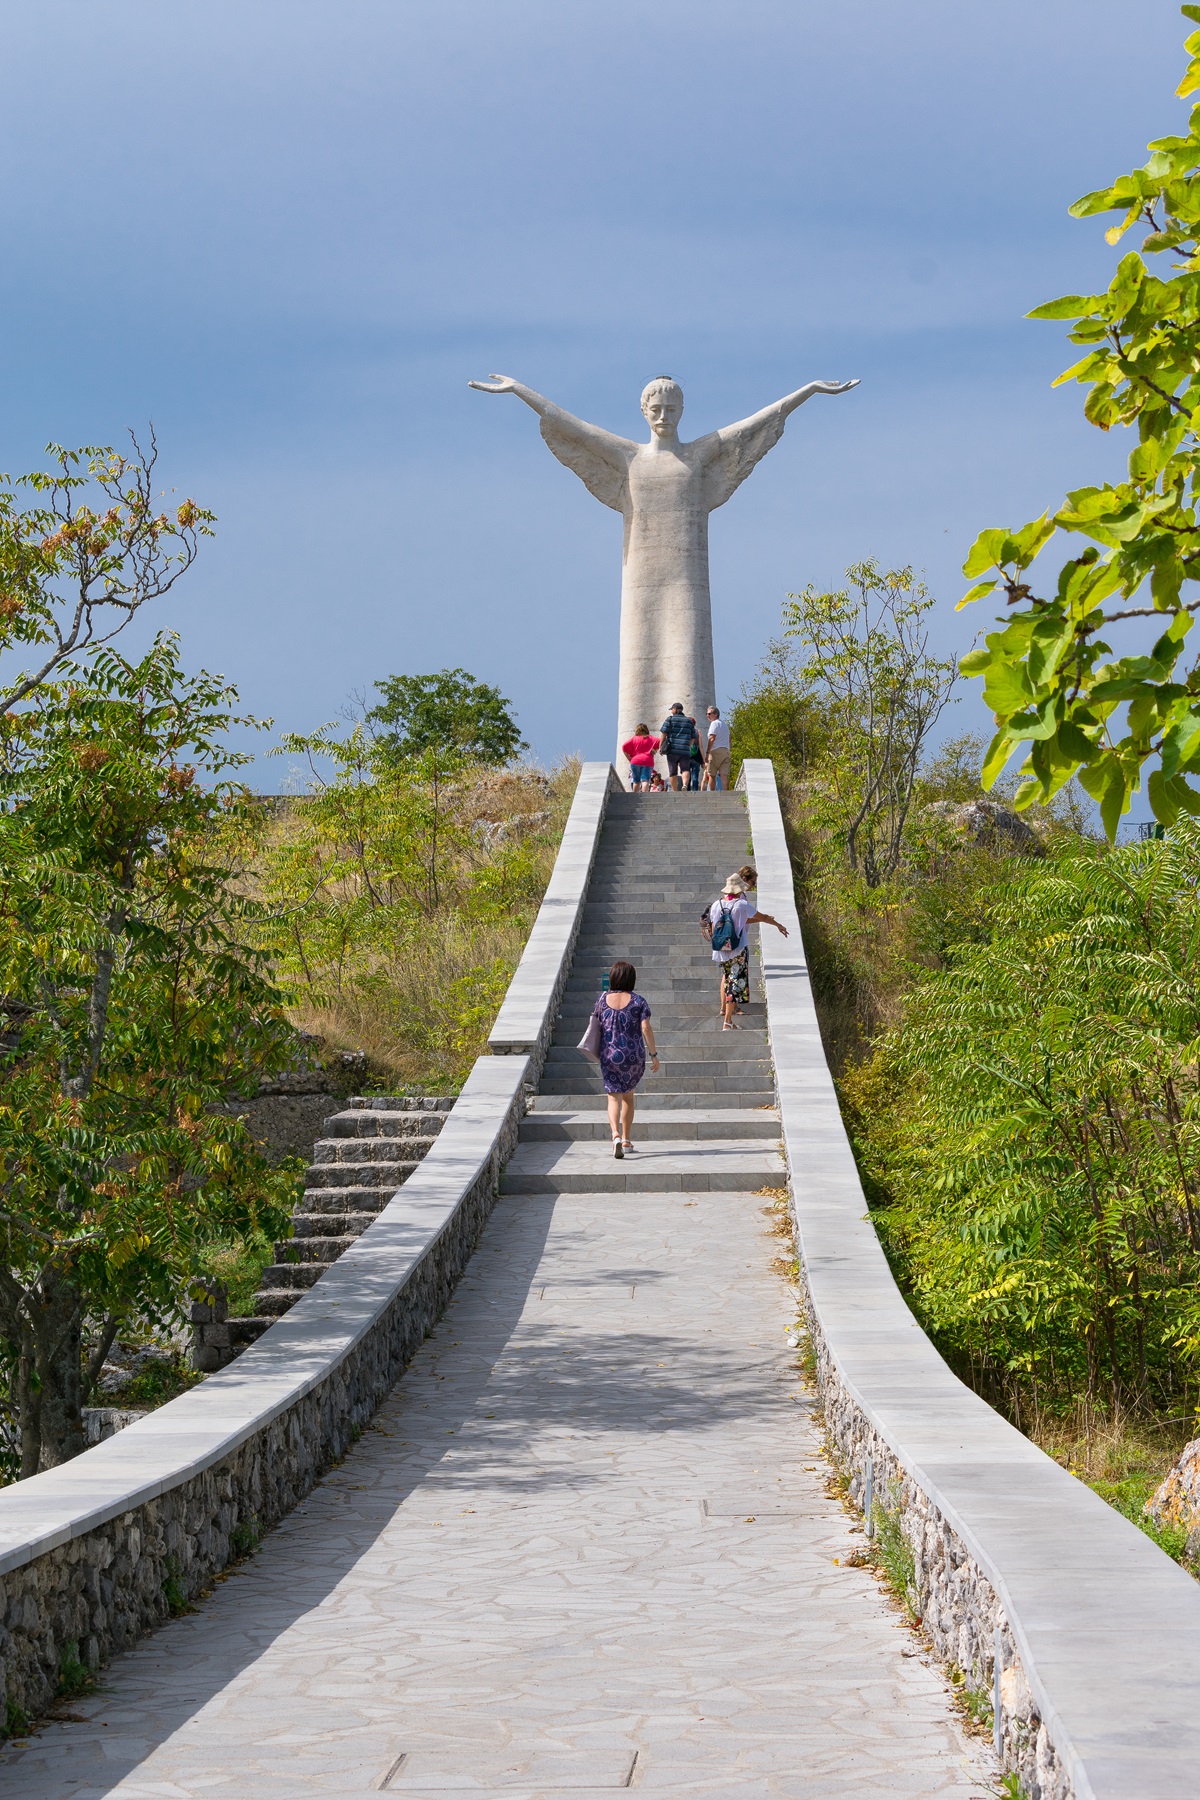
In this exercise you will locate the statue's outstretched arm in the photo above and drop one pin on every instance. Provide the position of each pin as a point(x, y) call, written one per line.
point(735, 449)
point(504, 384)
point(598, 457)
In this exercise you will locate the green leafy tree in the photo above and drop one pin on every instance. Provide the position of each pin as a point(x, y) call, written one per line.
point(446, 712)
point(1051, 676)
point(133, 1003)
point(777, 715)
point(869, 666)
point(93, 548)
point(1032, 1132)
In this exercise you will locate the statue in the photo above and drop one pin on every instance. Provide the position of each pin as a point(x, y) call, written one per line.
point(665, 491)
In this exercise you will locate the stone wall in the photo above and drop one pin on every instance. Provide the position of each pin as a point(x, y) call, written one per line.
point(1082, 1634)
point(82, 1567)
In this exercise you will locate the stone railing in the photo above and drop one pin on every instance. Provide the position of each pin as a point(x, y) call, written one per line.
point(103, 1548)
point(98, 1551)
point(1082, 1634)
point(525, 1023)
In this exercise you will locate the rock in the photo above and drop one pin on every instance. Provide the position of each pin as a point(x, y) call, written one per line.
point(987, 822)
point(1177, 1501)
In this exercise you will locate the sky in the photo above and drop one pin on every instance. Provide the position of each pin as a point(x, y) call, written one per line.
point(289, 234)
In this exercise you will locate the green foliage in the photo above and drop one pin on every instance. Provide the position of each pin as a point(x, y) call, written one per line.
point(245, 1537)
point(880, 693)
point(1050, 675)
point(16, 1719)
point(1030, 1133)
point(77, 564)
point(401, 892)
point(893, 1553)
point(133, 1002)
point(173, 1590)
point(74, 1676)
point(778, 715)
point(449, 711)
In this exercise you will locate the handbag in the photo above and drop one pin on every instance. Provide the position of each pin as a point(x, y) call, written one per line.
point(592, 1039)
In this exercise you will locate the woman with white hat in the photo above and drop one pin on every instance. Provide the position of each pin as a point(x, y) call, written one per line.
point(731, 916)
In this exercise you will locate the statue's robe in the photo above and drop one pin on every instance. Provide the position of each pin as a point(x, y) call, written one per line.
point(665, 497)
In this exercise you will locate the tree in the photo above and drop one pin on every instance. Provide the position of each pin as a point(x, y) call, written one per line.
point(777, 715)
point(449, 711)
point(1051, 676)
point(869, 663)
point(133, 1003)
point(1033, 1128)
point(77, 566)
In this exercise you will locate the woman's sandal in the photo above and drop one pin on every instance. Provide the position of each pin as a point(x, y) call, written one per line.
point(626, 1145)
point(618, 1151)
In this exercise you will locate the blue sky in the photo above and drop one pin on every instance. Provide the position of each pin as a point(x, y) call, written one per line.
point(289, 234)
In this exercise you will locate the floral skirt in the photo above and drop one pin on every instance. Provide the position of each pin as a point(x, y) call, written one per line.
point(735, 978)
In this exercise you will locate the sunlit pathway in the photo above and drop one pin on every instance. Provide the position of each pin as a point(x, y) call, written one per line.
point(586, 1547)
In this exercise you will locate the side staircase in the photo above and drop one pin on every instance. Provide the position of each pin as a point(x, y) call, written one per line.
point(368, 1151)
point(707, 1122)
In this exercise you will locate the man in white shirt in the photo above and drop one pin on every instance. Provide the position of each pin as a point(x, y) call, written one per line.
point(716, 760)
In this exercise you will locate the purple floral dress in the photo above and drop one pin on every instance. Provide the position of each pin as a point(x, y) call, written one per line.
point(622, 1048)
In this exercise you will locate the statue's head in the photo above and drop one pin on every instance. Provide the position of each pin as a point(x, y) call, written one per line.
point(662, 403)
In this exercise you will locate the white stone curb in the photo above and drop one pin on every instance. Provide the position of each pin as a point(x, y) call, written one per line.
point(1099, 1632)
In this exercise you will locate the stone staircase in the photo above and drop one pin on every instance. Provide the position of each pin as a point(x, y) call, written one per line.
point(707, 1123)
point(368, 1151)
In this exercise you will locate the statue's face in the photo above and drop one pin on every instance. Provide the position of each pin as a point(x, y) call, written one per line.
point(663, 412)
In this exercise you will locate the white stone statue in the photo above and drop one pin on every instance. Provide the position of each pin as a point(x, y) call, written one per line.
point(665, 491)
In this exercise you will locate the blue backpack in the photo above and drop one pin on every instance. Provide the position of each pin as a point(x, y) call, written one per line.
point(723, 935)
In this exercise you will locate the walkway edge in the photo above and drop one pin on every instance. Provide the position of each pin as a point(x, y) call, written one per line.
point(1098, 1632)
point(103, 1548)
point(525, 1023)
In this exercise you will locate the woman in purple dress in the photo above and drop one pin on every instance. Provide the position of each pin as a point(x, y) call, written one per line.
point(625, 1037)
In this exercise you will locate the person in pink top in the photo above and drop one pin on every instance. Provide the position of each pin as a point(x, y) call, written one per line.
point(640, 750)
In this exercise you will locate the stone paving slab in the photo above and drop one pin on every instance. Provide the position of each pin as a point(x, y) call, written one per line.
point(533, 1570)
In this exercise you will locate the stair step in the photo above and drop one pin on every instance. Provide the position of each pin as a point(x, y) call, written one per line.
point(707, 1124)
point(365, 1149)
point(330, 1226)
point(379, 1123)
point(662, 1166)
point(303, 1249)
point(337, 1203)
point(272, 1303)
point(349, 1199)
point(753, 1100)
point(360, 1174)
point(281, 1277)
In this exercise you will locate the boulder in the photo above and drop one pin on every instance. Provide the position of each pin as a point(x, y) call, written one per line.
point(1177, 1500)
point(987, 822)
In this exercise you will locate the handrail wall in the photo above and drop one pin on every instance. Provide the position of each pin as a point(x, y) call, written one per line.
point(1083, 1631)
point(97, 1551)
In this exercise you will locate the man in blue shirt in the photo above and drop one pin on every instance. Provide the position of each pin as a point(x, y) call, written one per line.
point(677, 733)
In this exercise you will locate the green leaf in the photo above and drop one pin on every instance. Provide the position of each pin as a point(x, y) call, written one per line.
point(1163, 803)
point(1071, 306)
point(985, 552)
point(1181, 745)
point(998, 753)
point(976, 593)
point(975, 662)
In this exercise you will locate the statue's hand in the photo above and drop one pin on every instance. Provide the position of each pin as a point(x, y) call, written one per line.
point(496, 384)
point(832, 387)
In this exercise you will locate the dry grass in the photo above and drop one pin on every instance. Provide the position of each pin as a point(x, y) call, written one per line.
point(419, 1001)
point(1123, 1457)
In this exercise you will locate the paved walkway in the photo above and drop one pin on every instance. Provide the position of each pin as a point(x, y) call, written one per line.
point(585, 1546)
